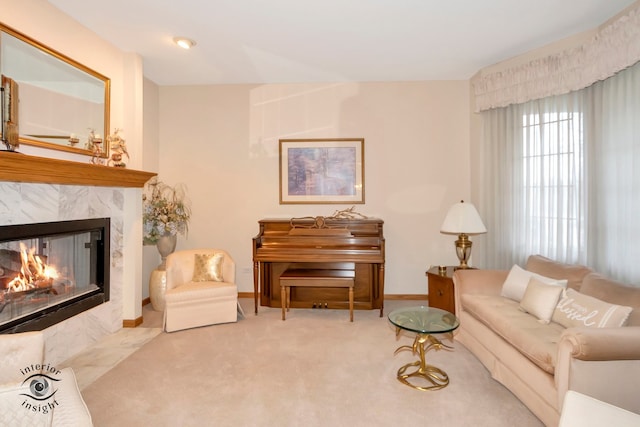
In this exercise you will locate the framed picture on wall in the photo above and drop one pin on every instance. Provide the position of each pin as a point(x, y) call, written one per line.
point(321, 171)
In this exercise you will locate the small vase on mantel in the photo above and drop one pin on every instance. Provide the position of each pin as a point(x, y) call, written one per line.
point(166, 244)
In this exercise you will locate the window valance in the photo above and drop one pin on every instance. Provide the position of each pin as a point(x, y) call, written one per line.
point(614, 47)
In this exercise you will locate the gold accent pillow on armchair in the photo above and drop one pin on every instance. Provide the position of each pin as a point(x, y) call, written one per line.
point(208, 267)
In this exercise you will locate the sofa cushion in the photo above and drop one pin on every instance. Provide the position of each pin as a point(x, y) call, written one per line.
point(573, 273)
point(534, 340)
point(605, 289)
point(540, 299)
point(578, 310)
point(200, 291)
point(518, 279)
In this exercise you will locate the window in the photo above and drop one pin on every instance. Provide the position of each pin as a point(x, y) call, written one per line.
point(552, 170)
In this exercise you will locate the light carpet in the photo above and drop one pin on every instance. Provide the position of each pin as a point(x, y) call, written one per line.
point(314, 369)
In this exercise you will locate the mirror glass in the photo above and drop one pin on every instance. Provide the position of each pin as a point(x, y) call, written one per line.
point(61, 103)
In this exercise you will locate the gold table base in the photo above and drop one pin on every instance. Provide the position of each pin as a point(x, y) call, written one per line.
point(435, 376)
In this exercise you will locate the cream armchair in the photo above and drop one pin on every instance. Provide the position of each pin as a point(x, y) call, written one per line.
point(201, 289)
point(33, 392)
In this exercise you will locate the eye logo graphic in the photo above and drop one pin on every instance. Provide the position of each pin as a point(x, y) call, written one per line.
point(40, 387)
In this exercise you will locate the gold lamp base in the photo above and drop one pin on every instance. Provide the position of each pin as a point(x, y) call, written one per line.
point(463, 249)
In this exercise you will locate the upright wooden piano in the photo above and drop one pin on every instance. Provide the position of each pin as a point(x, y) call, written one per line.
point(320, 243)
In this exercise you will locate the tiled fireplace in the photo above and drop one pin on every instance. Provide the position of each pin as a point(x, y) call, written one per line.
point(28, 203)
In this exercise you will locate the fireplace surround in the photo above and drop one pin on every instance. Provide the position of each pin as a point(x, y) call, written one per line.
point(52, 271)
point(37, 189)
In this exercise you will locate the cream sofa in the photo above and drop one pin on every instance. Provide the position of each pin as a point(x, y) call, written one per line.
point(540, 362)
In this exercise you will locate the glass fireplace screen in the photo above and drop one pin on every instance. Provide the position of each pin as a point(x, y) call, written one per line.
point(51, 271)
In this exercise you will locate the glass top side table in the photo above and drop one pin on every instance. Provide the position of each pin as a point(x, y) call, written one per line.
point(424, 322)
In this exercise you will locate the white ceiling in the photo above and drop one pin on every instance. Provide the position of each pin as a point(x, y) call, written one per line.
point(286, 41)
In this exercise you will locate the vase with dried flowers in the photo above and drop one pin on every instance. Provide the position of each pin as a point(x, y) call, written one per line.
point(166, 213)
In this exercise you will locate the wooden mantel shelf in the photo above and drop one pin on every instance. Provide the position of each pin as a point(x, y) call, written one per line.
point(17, 167)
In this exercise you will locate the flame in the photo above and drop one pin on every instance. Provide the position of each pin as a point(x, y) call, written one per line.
point(34, 272)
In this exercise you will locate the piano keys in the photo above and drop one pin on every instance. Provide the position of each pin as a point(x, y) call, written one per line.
point(320, 243)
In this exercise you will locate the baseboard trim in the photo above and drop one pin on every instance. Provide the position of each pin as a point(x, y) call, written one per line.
point(128, 323)
point(408, 297)
point(147, 300)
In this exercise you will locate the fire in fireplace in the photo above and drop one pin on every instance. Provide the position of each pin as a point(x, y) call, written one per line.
point(52, 271)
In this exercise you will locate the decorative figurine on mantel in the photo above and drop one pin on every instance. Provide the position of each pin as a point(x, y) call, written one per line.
point(94, 143)
point(92, 139)
point(73, 140)
point(118, 149)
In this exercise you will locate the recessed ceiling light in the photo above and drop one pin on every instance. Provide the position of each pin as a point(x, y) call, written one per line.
point(184, 42)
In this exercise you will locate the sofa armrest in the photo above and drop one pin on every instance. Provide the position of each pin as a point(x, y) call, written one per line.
point(602, 343)
point(600, 362)
point(486, 282)
point(472, 281)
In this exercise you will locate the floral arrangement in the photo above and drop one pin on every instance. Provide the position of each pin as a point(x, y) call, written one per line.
point(166, 211)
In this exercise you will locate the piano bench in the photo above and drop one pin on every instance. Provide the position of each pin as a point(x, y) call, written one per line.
point(316, 279)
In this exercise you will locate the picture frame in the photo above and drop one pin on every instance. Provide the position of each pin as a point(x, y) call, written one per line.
point(322, 171)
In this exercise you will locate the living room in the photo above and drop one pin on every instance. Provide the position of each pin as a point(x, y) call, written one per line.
point(421, 150)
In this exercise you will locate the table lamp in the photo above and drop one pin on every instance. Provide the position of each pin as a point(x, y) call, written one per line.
point(463, 219)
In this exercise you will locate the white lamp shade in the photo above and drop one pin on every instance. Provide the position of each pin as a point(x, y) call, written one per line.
point(463, 218)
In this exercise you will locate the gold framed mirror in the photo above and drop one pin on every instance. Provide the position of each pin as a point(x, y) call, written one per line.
point(62, 104)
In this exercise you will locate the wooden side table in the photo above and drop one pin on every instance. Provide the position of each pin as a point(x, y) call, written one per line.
point(441, 291)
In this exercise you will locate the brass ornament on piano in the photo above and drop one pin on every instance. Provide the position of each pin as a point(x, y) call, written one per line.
point(321, 222)
point(349, 213)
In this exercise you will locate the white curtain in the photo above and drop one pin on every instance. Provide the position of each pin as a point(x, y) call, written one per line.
point(614, 172)
point(563, 179)
point(612, 47)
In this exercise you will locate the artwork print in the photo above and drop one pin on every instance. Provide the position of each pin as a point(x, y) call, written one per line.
point(321, 171)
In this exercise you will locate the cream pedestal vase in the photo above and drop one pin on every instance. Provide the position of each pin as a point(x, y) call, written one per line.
point(157, 288)
point(158, 280)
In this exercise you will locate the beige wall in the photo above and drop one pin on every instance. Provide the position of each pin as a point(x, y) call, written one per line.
point(222, 141)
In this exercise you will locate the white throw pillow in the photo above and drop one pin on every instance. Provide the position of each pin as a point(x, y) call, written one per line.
point(518, 279)
point(540, 299)
point(17, 407)
point(579, 310)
